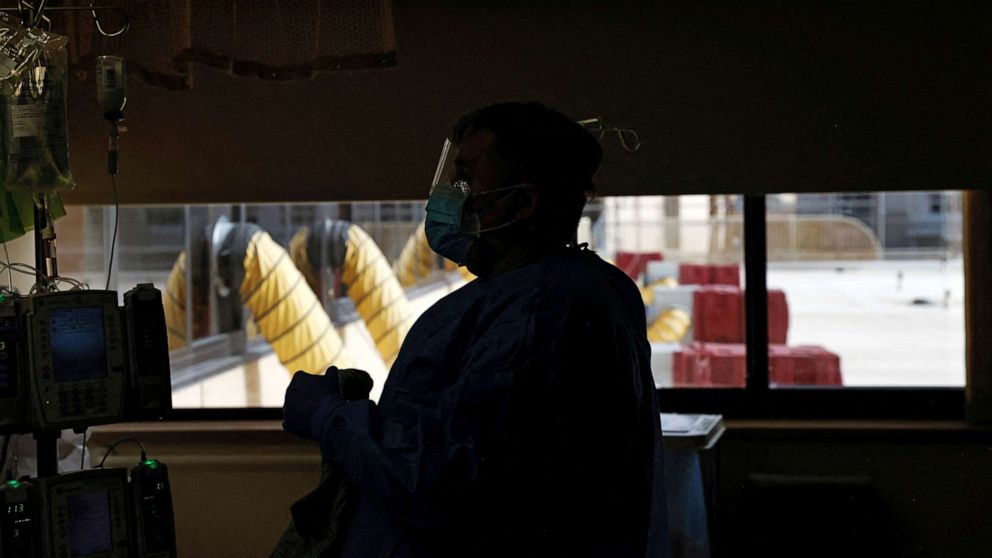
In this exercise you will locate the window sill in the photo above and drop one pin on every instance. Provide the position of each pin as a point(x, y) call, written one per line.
point(267, 437)
point(922, 431)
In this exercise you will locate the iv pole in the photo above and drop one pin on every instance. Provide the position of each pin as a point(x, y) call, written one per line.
point(46, 266)
point(46, 443)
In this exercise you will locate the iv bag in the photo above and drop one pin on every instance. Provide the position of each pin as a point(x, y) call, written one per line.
point(33, 72)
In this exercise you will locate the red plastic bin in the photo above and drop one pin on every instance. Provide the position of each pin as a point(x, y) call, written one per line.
point(725, 365)
point(636, 263)
point(805, 365)
point(690, 367)
point(718, 315)
point(778, 317)
point(709, 365)
point(710, 274)
point(725, 274)
point(693, 274)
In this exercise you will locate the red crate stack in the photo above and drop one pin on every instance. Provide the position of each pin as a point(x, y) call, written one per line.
point(693, 274)
point(805, 365)
point(709, 365)
point(690, 367)
point(725, 365)
point(725, 274)
point(728, 364)
point(710, 274)
point(718, 314)
point(635, 263)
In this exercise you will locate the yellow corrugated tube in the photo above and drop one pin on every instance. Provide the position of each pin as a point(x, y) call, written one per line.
point(174, 303)
point(416, 261)
point(298, 251)
point(288, 313)
point(376, 292)
point(670, 327)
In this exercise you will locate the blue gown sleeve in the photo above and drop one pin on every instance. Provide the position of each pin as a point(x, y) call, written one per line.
point(419, 486)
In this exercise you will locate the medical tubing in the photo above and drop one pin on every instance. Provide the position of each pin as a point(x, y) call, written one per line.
point(117, 222)
point(286, 312)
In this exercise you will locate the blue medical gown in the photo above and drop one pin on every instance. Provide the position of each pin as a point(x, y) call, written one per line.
point(519, 419)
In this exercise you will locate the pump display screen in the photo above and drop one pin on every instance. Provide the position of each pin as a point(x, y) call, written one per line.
point(90, 530)
point(79, 349)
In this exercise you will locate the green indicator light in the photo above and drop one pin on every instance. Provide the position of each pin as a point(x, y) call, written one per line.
point(151, 464)
point(14, 483)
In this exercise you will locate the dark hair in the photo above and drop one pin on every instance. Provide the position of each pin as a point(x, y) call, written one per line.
point(543, 147)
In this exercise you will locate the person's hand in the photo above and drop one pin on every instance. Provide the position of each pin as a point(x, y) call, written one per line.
point(355, 384)
point(309, 401)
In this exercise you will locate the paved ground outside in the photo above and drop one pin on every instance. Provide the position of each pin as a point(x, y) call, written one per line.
point(888, 331)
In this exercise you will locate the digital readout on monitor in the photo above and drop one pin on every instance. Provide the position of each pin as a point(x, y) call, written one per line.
point(79, 349)
point(90, 529)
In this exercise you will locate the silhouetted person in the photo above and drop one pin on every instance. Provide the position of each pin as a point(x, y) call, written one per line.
point(520, 417)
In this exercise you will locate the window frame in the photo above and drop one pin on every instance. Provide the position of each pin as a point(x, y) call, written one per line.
point(757, 400)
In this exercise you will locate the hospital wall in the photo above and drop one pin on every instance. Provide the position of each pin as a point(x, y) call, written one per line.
point(233, 484)
point(728, 97)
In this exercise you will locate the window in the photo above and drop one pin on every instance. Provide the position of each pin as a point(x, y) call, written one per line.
point(686, 252)
point(863, 290)
point(871, 295)
point(234, 277)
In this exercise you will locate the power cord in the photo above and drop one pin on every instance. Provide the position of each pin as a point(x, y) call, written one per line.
point(52, 283)
point(113, 446)
point(24, 268)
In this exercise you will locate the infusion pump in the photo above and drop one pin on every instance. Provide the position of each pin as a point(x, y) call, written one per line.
point(75, 359)
point(100, 513)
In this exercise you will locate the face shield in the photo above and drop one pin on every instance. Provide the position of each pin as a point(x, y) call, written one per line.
point(475, 209)
point(445, 171)
point(443, 224)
